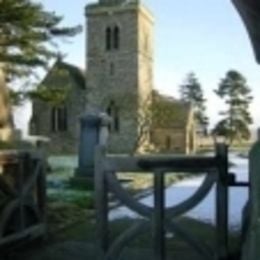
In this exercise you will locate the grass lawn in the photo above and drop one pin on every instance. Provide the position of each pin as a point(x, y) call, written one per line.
point(61, 189)
point(66, 204)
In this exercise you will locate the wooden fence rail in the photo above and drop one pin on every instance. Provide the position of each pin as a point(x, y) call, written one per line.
point(22, 197)
point(158, 219)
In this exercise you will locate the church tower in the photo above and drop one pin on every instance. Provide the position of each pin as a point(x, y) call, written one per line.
point(120, 67)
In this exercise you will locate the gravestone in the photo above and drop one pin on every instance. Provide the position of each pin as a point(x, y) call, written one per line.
point(93, 132)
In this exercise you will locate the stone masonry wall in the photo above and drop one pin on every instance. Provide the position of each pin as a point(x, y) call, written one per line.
point(131, 79)
point(60, 142)
point(175, 138)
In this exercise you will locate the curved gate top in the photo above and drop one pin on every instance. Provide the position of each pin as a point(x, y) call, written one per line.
point(158, 219)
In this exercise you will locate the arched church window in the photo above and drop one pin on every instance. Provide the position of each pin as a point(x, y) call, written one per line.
point(111, 68)
point(116, 37)
point(63, 119)
point(108, 38)
point(168, 142)
point(116, 120)
point(113, 112)
point(59, 120)
point(109, 111)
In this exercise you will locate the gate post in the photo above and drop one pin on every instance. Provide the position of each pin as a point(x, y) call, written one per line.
point(222, 202)
point(251, 249)
point(159, 216)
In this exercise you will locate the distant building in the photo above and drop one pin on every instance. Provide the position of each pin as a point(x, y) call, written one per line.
point(120, 66)
point(119, 81)
point(58, 118)
point(120, 57)
point(173, 127)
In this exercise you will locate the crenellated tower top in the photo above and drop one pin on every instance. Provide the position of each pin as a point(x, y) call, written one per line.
point(115, 2)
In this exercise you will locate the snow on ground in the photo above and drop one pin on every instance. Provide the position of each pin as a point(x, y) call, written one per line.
point(205, 211)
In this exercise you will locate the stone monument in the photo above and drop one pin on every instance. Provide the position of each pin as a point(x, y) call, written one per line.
point(93, 132)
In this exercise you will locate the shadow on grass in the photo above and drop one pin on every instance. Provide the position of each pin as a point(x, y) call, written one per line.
point(176, 247)
point(80, 242)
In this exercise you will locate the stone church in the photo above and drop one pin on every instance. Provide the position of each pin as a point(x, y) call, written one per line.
point(58, 119)
point(119, 81)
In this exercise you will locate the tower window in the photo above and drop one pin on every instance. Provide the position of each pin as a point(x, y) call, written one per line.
point(116, 120)
point(113, 112)
point(109, 112)
point(112, 38)
point(112, 69)
point(108, 38)
point(116, 37)
point(59, 120)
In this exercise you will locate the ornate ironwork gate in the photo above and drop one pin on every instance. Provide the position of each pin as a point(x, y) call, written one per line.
point(158, 218)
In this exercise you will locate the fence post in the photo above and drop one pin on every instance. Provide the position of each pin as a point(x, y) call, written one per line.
point(101, 201)
point(158, 218)
point(251, 249)
point(41, 187)
point(222, 201)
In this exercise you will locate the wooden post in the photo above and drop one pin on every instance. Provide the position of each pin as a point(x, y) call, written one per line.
point(41, 187)
point(24, 171)
point(101, 200)
point(222, 202)
point(251, 249)
point(101, 189)
point(158, 221)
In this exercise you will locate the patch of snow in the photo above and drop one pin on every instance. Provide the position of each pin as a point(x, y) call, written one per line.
point(205, 211)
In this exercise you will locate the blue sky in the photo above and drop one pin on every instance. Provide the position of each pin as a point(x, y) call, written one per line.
point(206, 37)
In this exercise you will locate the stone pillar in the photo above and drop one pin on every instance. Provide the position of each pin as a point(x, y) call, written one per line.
point(93, 132)
point(251, 249)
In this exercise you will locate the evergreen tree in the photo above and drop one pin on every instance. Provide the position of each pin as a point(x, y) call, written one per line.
point(28, 36)
point(191, 91)
point(233, 89)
